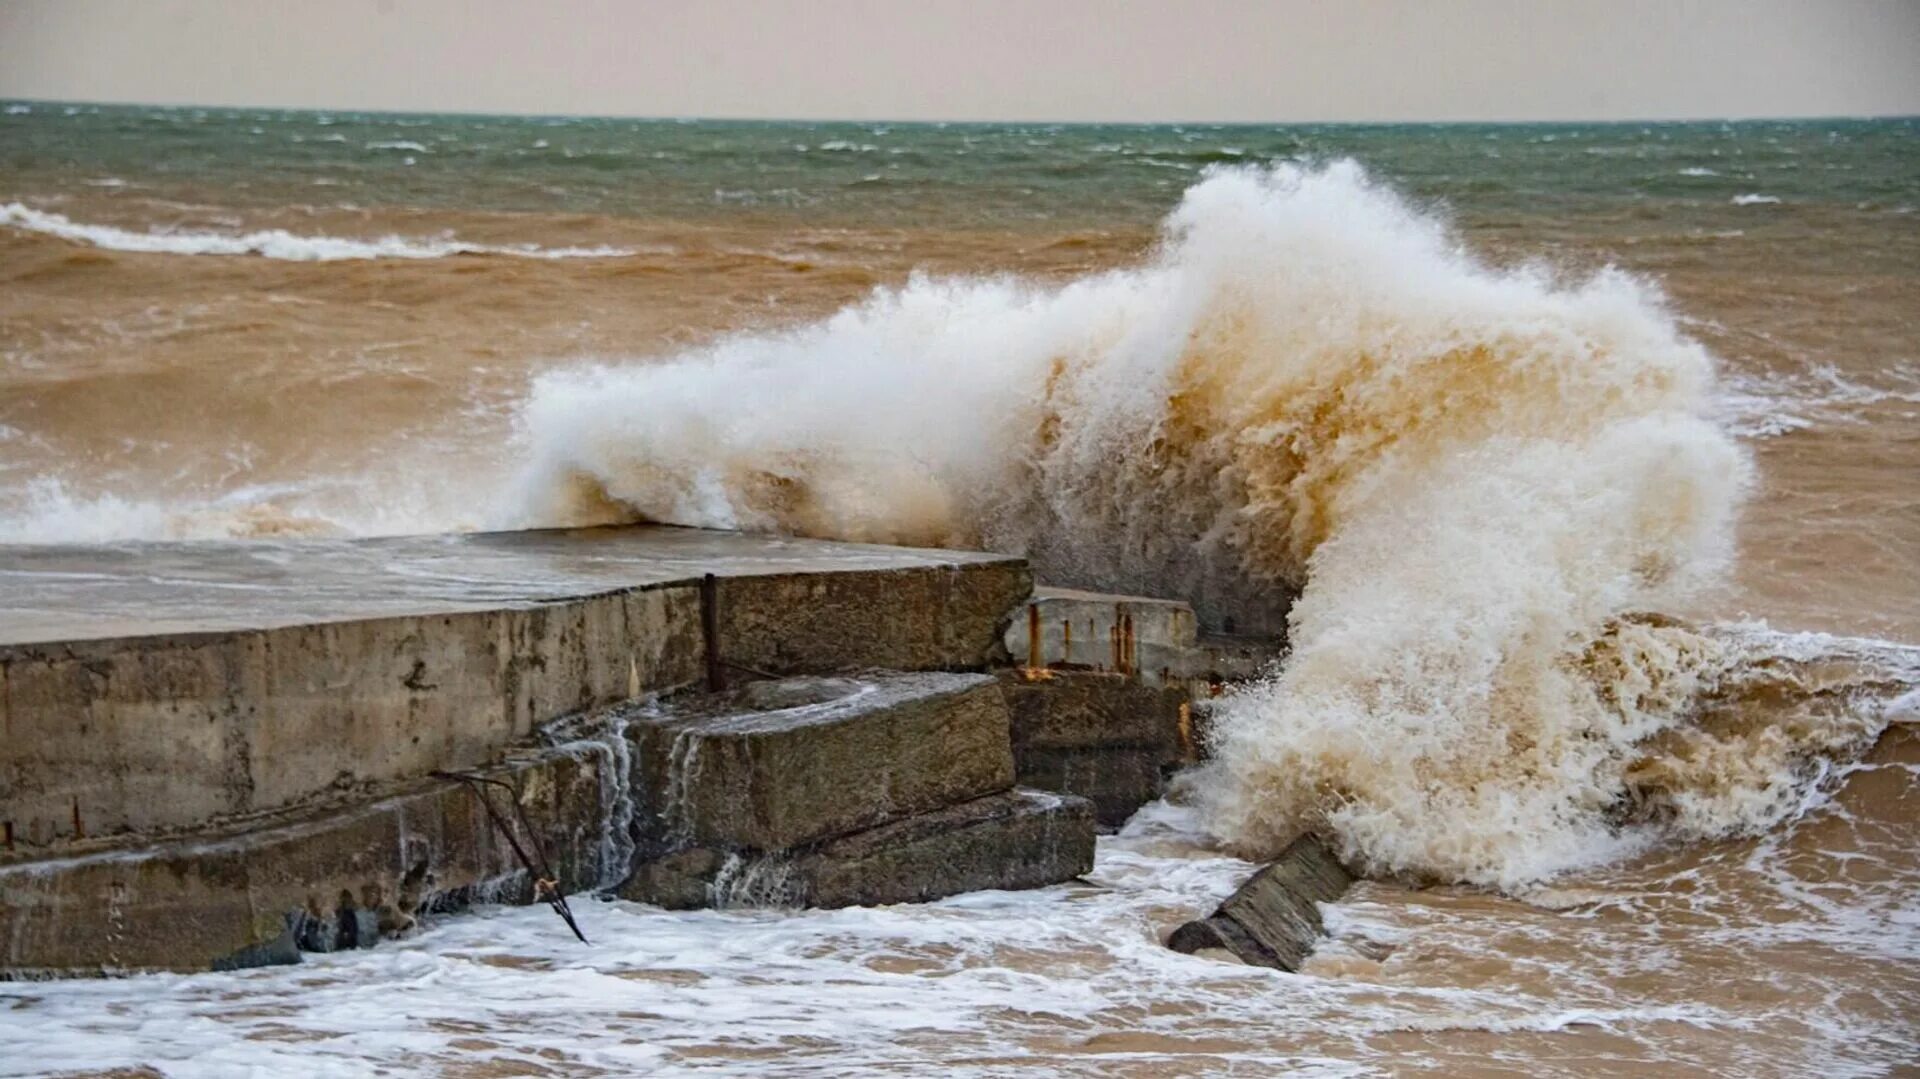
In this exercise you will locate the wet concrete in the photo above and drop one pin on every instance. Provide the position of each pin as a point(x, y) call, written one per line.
point(251, 677)
point(70, 593)
point(721, 771)
point(1273, 920)
point(881, 788)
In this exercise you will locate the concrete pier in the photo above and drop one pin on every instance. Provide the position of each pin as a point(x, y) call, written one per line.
point(156, 687)
point(225, 754)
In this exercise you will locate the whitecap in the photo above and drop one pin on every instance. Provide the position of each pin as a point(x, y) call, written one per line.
point(277, 243)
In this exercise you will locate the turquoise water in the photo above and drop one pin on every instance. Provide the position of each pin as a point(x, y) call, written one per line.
point(952, 175)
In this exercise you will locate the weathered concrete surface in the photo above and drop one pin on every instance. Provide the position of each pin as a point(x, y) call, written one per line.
point(908, 619)
point(829, 757)
point(1102, 736)
point(116, 590)
point(157, 687)
point(1116, 781)
point(1157, 641)
point(161, 733)
point(1092, 710)
point(1015, 839)
point(1273, 919)
point(335, 878)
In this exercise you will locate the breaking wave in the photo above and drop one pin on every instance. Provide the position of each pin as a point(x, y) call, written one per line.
point(1467, 473)
point(275, 243)
point(1473, 478)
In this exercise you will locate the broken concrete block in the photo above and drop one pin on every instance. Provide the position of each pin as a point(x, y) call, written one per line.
point(1273, 920)
point(1101, 632)
point(1015, 839)
point(833, 756)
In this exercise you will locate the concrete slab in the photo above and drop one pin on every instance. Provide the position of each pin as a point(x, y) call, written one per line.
point(159, 687)
point(66, 593)
point(340, 877)
point(1116, 781)
point(1015, 839)
point(779, 764)
point(1094, 710)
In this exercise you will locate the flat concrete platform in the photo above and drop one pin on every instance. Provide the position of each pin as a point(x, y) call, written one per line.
point(158, 687)
point(52, 594)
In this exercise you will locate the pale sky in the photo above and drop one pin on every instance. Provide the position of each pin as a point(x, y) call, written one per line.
point(1146, 60)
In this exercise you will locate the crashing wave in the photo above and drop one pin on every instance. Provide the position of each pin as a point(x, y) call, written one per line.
point(1474, 478)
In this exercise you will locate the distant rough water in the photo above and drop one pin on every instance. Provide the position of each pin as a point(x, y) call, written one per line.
point(1588, 449)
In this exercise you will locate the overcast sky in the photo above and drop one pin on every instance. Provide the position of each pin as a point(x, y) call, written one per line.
point(983, 59)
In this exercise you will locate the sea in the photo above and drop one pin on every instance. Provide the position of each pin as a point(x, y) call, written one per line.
point(1579, 463)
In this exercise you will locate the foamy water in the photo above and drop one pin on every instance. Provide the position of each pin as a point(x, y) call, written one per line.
point(1474, 475)
point(1687, 842)
point(1073, 980)
point(275, 243)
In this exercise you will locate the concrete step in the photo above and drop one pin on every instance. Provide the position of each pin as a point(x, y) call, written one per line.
point(777, 764)
point(339, 876)
point(1014, 839)
point(1117, 782)
point(1094, 710)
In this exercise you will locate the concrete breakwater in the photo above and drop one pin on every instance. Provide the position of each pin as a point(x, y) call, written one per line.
point(222, 755)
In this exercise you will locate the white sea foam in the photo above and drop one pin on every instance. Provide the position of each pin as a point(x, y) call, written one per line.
point(46, 510)
point(276, 243)
point(1473, 474)
point(1069, 980)
point(1752, 199)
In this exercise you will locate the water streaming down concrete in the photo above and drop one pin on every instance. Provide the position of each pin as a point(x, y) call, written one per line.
point(886, 788)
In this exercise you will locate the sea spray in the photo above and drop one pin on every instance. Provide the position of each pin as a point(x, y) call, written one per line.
point(1470, 472)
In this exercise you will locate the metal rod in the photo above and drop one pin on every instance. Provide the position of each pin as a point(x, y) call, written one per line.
point(546, 886)
point(710, 632)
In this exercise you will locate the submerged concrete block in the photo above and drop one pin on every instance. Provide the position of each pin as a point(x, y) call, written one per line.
point(1015, 839)
point(336, 878)
point(1273, 919)
point(778, 764)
